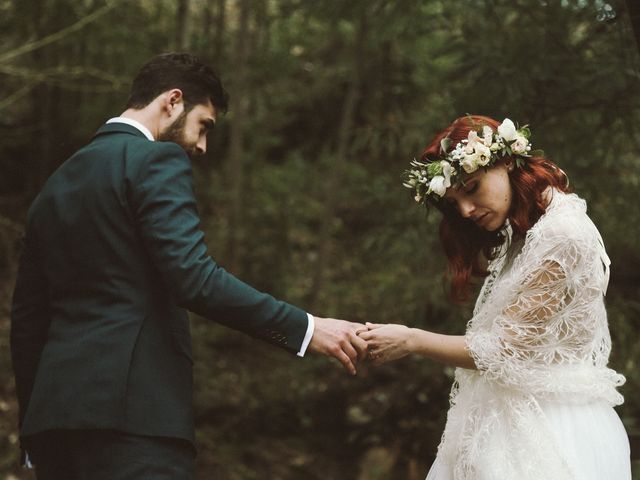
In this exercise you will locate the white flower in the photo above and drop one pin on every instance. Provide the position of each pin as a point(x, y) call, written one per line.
point(507, 130)
point(479, 149)
point(458, 153)
point(447, 171)
point(487, 135)
point(472, 139)
point(483, 155)
point(470, 163)
point(520, 145)
point(437, 185)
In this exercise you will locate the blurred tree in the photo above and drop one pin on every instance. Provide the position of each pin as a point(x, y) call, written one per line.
point(182, 25)
point(237, 151)
point(301, 194)
point(333, 184)
point(634, 17)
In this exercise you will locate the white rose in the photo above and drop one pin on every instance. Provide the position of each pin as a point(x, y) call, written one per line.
point(437, 185)
point(483, 155)
point(520, 145)
point(470, 163)
point(507, 130)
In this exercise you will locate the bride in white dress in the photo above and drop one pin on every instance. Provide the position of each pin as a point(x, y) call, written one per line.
point(533, 398)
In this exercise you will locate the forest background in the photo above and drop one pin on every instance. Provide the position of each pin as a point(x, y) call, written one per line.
point(301, 190)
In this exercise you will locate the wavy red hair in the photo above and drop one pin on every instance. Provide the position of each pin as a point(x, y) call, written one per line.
point(468, 246)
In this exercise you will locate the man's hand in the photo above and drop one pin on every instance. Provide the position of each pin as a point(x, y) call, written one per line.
point(339, 339)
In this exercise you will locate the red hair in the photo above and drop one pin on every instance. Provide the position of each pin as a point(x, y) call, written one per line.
point(465, 244)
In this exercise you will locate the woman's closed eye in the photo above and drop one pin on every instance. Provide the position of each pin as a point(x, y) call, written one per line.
point(470, 187)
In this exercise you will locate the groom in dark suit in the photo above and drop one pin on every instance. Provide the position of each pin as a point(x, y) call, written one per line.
point(113, 257)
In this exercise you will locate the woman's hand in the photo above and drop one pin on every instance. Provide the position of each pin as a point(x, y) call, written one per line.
point(387, 342)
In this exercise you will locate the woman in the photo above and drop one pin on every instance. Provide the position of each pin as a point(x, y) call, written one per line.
point(532, 397)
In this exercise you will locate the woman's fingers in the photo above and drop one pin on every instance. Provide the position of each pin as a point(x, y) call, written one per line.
point(373, 326)
point(377, 358)
point(360, 344)
point(366, 336)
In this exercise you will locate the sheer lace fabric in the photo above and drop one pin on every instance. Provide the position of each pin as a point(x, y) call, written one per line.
point(539, 334)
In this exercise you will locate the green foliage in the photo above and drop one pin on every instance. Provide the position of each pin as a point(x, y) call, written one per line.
point(310, 165)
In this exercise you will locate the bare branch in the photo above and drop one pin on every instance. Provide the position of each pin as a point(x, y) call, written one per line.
point(17, 95)
point(62, 71)
point(59, 35)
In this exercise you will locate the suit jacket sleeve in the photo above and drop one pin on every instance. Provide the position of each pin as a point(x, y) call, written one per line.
point(164, 206)
point(30, 319)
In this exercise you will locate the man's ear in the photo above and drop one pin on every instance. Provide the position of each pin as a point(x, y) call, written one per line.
point(173, 99)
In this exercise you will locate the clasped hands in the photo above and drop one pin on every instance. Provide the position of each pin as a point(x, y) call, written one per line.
point(350, 342)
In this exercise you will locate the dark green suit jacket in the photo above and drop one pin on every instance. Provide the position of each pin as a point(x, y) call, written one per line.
point(113, 257)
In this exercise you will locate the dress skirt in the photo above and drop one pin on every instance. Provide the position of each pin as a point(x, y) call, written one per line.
point(591, 438)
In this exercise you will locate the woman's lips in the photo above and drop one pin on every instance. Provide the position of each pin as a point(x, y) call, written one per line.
point(480, 220)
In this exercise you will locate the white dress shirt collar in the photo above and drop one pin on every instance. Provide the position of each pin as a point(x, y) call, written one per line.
point(133, 123)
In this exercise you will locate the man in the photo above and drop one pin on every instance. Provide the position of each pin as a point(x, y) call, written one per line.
point(113, 255)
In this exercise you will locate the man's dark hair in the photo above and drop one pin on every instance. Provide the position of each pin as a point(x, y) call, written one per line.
point(197, 81)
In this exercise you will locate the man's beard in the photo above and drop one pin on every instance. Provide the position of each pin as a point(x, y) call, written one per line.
point(175, 133)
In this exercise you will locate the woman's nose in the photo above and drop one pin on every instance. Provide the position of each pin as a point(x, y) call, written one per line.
point(465, 208)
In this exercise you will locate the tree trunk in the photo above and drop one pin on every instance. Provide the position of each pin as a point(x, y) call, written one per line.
point(182, 25)
point(207, 24)
point(262, 21)
point(238, 109)
point(220, 28)
point(42, 106)
point(333, 185)
point(633, 7)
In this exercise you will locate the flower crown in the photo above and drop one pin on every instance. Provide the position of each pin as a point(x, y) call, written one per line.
point(481, 149)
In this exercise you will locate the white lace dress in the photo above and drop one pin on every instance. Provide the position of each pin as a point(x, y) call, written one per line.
point(540, 405)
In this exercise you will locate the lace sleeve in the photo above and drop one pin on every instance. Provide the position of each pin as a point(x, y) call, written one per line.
point(547, 311)
point(528, 327)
